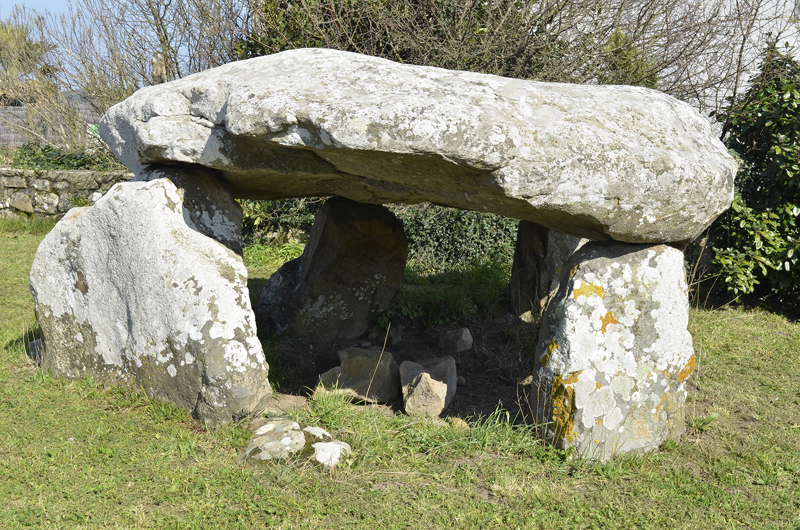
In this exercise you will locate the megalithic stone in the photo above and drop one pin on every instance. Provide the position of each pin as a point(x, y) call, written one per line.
point(614, 351)
point(146, 288)
point(601, 162)
point(350, 272)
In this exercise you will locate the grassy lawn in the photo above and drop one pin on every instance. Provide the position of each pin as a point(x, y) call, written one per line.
point(78, 455)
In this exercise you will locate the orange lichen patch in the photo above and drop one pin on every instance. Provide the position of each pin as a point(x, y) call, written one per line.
point(545, 358)
point(553, 346)
point(597, 386)
point(588, 288)
point(606, 320)
point(599, 421)
point(564, 407)
point(661, 402)
point(687, 370)
point(642, 432)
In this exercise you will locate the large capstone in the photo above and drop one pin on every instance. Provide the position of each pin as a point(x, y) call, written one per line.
point(602, 162)
point(350, 272)
point(614, 351)
point(144, 288)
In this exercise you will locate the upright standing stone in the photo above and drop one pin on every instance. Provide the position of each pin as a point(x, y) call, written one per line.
point(614, 351)
point(349, 272)
point(138, 289)
point(539, 256)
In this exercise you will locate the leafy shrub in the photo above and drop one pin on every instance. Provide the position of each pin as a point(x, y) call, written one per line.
point(757, 240)
point(437, 299)
point(36, 156)
point(277, 221)
point(439, 238)
point(442, 238)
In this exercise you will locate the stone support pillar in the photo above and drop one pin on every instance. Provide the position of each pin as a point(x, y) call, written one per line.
point(147, 288)
point(350, 271)
point(614, 351)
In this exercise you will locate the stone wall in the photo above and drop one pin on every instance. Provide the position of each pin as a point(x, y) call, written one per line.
point(45, 193)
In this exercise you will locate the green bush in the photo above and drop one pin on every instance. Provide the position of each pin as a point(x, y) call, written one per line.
point(757, 239)
point(437, 299)
point(277, 221)
point(441, 239)
point(36, 156)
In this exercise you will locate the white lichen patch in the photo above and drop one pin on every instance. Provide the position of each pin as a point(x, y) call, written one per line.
point(622, 326)
point(150, 290)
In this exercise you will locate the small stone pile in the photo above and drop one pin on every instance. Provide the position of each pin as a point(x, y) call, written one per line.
point(372, 375)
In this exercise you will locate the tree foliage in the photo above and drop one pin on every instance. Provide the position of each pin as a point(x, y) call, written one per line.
point(24, 69)
point(759, 239)
point(696, 50)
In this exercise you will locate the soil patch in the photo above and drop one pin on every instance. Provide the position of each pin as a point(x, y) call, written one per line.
point(494, 373)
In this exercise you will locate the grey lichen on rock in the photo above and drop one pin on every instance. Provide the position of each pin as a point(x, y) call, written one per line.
point(284, 439)
point(349, 273)
point(602, 162)
point(132, 291)
point(614, 351)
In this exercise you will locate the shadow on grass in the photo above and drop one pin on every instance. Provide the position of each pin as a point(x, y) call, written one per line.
point(22, 344)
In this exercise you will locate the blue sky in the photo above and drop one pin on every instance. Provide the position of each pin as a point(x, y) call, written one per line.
point(54, 6)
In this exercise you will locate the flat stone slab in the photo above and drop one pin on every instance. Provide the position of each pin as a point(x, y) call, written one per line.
point(601, 162)
point(368, 375)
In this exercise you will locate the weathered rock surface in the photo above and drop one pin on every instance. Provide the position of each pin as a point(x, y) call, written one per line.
point(603, 162)
point(133, 290)
point(539, 256)
point(278, 439)
point(207, 204)
point(429, 385)
point(614, 351)
point(329, 454)
point(350, 271)
point(456, 340)
point(366, 375)
point(282, 439)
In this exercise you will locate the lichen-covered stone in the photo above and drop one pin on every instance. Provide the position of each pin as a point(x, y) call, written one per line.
point(282, 439)
point(46, 203)
point(350, 272)
point(133, 290)
point(603, 162)
point(614, 351)
point(276, 439)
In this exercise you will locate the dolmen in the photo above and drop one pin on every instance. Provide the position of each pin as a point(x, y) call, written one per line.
point(147, 286)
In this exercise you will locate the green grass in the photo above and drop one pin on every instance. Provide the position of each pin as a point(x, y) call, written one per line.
point(439, 298)
point(75, 454)
point(263, 260)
